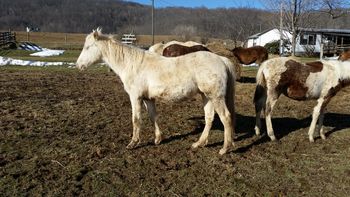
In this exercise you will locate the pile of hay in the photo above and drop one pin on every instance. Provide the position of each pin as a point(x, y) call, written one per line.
point(221, 49)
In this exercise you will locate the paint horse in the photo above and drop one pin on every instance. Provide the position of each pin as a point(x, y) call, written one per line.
point(159, 47)
point(256, 54)
point(344, 56)
point(319, 80)
point(175, 50)
point(148, 77)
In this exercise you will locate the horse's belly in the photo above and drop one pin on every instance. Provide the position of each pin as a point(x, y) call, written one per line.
point(172, 93)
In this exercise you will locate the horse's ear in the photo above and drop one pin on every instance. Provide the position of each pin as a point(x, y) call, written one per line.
point(99, 30)
point(97, 33)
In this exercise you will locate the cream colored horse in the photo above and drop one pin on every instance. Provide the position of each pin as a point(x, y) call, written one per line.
point(159, 47)
point(149, 77)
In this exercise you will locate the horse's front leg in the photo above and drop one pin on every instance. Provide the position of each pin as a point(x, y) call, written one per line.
point(152, 112)
point(321, 117)
point(315, 115)
point(136, 122)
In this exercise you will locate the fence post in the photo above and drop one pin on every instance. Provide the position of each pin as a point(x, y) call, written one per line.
point(321, 51)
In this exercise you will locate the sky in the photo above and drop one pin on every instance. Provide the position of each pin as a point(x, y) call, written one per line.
point(205, 3)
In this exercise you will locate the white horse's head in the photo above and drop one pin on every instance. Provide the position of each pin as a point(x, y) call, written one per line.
point(90, 53)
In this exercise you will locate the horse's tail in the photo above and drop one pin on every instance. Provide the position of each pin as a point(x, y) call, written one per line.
point(260, 90)
point(230, 88)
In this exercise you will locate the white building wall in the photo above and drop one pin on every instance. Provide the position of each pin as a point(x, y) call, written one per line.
point(301, 48)
point(267, 37)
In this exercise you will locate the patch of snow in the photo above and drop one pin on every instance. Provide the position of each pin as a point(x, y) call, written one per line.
point(331, 58)
point(253, 64)
point(47, 53)
point(42, 52)
point(10, 61)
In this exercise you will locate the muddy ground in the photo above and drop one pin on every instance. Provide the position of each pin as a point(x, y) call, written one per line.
point(64, 132)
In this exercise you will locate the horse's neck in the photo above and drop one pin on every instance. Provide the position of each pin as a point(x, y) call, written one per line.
point(121, 58)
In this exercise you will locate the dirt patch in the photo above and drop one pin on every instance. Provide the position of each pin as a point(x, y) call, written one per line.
point(64, 132)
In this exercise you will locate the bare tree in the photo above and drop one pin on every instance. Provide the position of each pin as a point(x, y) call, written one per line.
point(296, 14)
point(335, 8)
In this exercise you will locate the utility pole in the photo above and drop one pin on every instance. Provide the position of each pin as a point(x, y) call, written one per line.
point(281, 29)
point(152, 22)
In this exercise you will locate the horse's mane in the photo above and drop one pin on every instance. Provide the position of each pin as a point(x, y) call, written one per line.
point(126, 52)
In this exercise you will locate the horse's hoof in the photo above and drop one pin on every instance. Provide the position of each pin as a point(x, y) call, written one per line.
point(157, 140)
point(311, 139)
point(323, 136)
point(132, 145)
point(199, 144)
point(222, 151)
point(273, 138)
point(195, 145)
point(257, 131)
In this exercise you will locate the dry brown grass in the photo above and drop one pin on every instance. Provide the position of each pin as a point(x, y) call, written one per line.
point(64, 133)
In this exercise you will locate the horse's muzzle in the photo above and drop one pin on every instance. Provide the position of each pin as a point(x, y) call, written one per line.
point(80, 66)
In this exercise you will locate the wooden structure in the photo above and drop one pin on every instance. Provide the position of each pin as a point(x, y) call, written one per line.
point(7, 38)
point(128, 38)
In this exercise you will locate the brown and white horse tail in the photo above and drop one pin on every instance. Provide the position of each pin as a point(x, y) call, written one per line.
point(260, 90)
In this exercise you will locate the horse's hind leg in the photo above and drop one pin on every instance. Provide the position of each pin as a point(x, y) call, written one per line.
point(225, 117)
point(260, 103)
point(209, 117)
point(270, 103)
point(152, 112)
point(320, 125)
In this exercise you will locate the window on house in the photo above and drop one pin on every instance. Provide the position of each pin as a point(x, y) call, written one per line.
point(307, 39)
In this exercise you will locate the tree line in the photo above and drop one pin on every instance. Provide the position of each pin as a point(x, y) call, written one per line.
point(116, 16)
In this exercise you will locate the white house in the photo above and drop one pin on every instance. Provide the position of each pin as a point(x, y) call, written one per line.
point(267, 36)
point(308, 40)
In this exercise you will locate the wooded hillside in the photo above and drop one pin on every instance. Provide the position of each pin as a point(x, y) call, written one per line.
point(116, 16)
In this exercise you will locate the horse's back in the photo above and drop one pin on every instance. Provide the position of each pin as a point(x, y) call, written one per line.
point(175, 50)
point(180, 77)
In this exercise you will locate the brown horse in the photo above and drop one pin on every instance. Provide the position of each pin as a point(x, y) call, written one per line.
point(256, 54)
point(175, 50)
point(344, 55)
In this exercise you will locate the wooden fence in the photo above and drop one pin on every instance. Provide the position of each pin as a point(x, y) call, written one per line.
point(7, 38)
point(128, 38)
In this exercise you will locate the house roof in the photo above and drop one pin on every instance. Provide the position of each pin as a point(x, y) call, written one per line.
point(342, 32)
point(259, 34)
